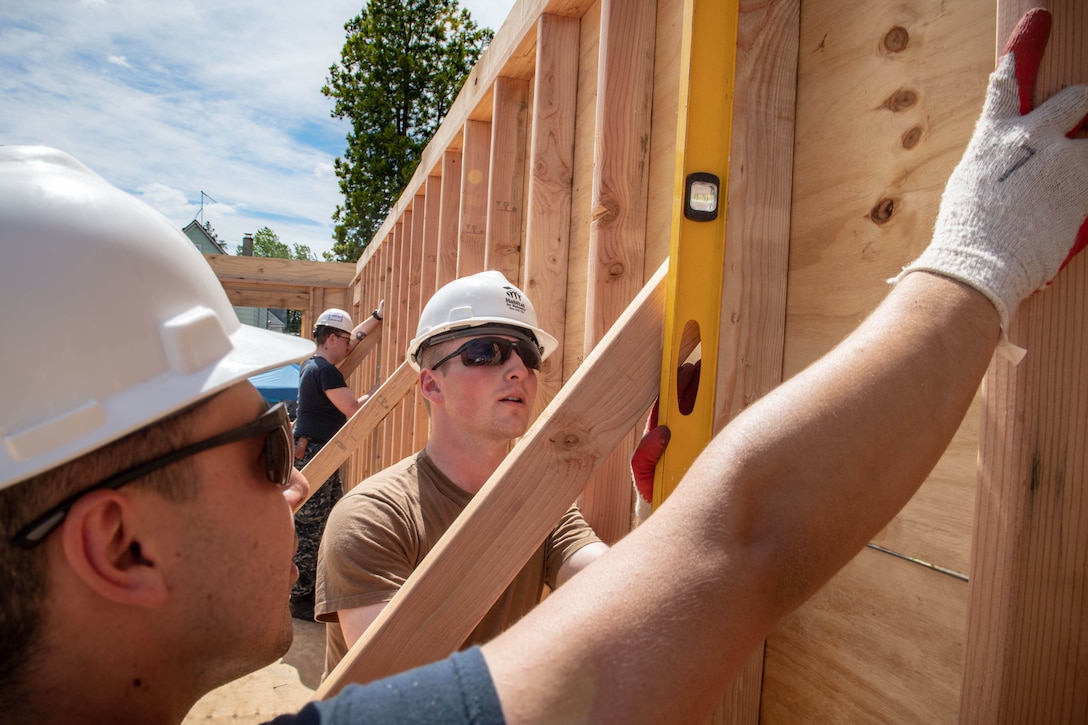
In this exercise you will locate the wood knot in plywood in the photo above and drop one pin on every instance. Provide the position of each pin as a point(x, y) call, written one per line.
point(912, 137)
point(896, 39)
point(882, 212)
point(615, 270)
point(901, 100)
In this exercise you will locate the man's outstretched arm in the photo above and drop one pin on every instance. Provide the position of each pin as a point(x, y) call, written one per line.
point(789, 492)
point(778, 502)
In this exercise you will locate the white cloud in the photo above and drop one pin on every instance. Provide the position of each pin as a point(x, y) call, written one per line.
point(166, 100)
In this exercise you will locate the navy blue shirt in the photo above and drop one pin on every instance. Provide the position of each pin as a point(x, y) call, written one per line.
point(317, 417)
point(455, 690)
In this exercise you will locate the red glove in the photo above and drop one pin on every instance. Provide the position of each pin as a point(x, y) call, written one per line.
point(656, 437)
point(647, 454)
point(1027, 43)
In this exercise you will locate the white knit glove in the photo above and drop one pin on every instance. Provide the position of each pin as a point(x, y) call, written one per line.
point(1012, 209)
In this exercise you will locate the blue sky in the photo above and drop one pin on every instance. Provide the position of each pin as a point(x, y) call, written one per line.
point(170, 99)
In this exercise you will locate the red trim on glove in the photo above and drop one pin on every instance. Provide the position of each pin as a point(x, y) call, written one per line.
point(1027, 43)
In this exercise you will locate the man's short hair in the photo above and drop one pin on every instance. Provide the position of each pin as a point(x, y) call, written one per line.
point(323, 332)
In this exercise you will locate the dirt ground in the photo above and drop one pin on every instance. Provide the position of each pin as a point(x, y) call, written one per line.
point(283, 686)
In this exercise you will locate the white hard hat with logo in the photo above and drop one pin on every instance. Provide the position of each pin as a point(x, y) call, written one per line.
point(129, 323)
point(479, 300)
point(337, 318)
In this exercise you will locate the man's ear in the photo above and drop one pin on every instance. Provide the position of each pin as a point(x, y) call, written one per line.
point(105, 542)
point(428, 385)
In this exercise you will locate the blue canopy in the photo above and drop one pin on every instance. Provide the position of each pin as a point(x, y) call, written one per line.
point(278, 384)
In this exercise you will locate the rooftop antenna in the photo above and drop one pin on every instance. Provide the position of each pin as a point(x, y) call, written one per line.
point(202, 195)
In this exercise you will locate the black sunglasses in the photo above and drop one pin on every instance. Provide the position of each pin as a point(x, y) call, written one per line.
point(483, 351)
point(278, 452)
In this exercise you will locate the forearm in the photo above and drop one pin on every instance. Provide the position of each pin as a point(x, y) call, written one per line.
point(367, 326)
point(778, 502)
point(827, 459)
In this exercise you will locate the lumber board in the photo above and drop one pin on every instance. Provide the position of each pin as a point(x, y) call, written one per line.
point(349, 364)
point(390, 260)
point(404, 265)
point(403, 281)
point(581, 190)
point(617, 230)
point(547, 233)
point(506, 178)
point(373, 445)
point(432, 226)
point(360, 425)
point(450, 218)
point(415, 267)
point(752, 331)
point(754, 283)
point(282, 272)
point(431, 231)
point(416, 262)
point(621, 161)
point(475, 167)
point(270, 298)
point(1027, 638)
point(369, 369)
point(868, 649)
point(466, 571)
point(663, 138)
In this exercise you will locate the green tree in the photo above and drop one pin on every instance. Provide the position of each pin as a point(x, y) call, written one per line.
point(266, 243)
point(402, 65)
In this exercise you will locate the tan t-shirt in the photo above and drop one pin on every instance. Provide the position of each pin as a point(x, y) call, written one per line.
point(381, 530)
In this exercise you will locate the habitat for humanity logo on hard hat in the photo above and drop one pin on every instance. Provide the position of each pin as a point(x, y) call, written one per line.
point(514, 300)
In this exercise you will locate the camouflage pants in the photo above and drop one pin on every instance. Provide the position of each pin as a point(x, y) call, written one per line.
point(310, 525)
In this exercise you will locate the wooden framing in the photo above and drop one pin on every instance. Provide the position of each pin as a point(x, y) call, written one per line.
point(556, 165)
point(311, 287)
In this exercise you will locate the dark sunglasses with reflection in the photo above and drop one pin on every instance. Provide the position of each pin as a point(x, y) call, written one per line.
point(484, 351)
point(273, 424)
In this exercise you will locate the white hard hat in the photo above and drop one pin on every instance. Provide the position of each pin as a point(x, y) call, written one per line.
point(333, 317)
point(125, 322)
point(482, 299)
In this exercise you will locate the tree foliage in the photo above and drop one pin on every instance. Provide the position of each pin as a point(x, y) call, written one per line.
point(266, 243)
point(401, 67)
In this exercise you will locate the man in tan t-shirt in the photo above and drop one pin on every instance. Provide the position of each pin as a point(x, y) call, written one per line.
point(477, 349)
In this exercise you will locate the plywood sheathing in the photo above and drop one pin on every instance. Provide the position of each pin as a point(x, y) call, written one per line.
point(887, 97)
